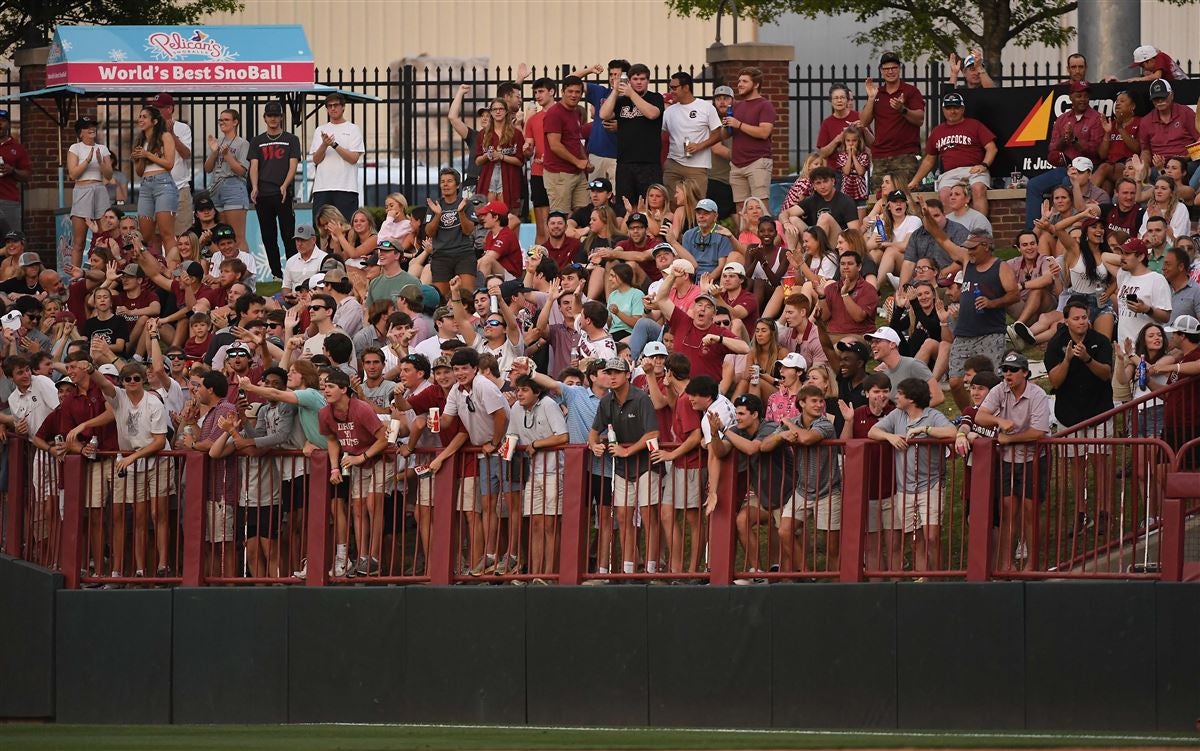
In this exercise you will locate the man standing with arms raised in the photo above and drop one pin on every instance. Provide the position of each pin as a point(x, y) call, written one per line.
point(898, 110)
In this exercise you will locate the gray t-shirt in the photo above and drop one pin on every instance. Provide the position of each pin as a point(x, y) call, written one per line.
point(772, 474)
point(818, 472)
point(922, 245)
point(908, 367)
point(379, 396)
point(923, 465)
point(972, 220)
point(240, 148)
point(450, 239)
point(544, 420)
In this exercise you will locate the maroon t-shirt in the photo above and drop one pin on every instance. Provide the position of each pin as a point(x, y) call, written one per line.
point(144, 298)
point(747, 149)
point(1117, 150)
point(706, 358)
point(683, 421)
point(1129, 221)
point(566, 123)
point(834, 125)
point(747, 300)
point(564, 256)
point(627, 245)
point(879, 470)
point(665, 414)
point(1172, 137)
point(895, 136)
point(505, 245)
point(959, 145)
point(354, 429)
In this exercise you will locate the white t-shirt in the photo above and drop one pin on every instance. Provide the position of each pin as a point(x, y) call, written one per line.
point(1151, 288)
point(505, 354)
point(181, 172)
point(138, 424)
point(334, 172)
point(906, 227)
point(723, 409)
point(296, 269)
point(431, 347)
point(476, 415)
point(173, 397)
point(82, 150)
point(1180, 222)
point(35, 404)
point(694, 122)
point(544, 420)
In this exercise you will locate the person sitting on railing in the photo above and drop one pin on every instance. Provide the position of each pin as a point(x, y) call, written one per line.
point(916, 507)
point(1021, 412)
point(1181, 406)
point(266, 426)
point(1079, 361)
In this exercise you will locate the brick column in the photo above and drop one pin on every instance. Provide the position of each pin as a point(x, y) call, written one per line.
point(774, 60)
point(47, 143)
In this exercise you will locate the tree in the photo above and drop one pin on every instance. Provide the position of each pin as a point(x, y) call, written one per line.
point(30, 23)
point(913, 28)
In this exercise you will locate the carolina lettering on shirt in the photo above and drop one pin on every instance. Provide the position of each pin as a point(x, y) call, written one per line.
point(954, 139)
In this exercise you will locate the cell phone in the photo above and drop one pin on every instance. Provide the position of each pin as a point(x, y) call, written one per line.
point(1131, 298)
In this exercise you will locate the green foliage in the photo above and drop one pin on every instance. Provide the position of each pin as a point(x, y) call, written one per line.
point(30, 23)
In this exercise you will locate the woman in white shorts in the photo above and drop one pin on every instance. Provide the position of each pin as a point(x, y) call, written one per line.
point(89, 164)
point(228, 162)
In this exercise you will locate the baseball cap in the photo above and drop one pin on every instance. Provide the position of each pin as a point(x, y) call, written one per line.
point(600, 183)
point(108, 369)
point(1134, 245)
point(273, 108)
point(30, 259)
point(616, 363)
point(1184, 325)
point(312, 282)
point(163, 100)
point(1082, 163)
point(1160, 89)
point(705, 296)
point(237, 350)
point(194, 269)
point(66, 381)
point(663, 248)
point(132, 269)
point(636, 218)
point(723, 91)
point(793, 360)
point(978, 237)
point(85, 122)
point(574, 268)
point(430, 297)
point(441, 362)
point(860, 348)
point(683, 266)
point(15, 234)
point(1015, 360)
point(706, 204)
point(411, 293)
point(889, 57)
point(1144, 53)
point(4, 114)
point(884, 333)
point(558, 213)
point(1078, 86)
point(332, 276)
point(513, 287)
point(953, 99)
point(735, 268)
point(654, 349)
point(958, 277)
point(304, 232)
point(442, 313)
point(499, 208)
point(897, 195)
point(203, 202)
point(1089, 221)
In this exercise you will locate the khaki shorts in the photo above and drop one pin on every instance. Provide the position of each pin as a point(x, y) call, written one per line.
point(377, 478)
point(675, 173)
point(643, 490)
point(826, 508)
point(603, 166)
point(100, 477)
point(185, 216)
point(879, 515)
point(566, 191)
point(219, 521)
point(156, 480)
point(902, 167)
point(1107, 429)
point(962, 176)
point(468, 495)
point(425, 490)
point(542, 497)
point(684, 488)
point(752, 180)
point(916, 508)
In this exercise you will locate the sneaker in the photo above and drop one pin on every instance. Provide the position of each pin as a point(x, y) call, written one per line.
point(361, 566)
point(508, 565)
point(303, 572)
point(1022, 551)
point(595, 582)
point(742, 582)
point(340, 568)
point(114, 585)
point(486, 565)
point(1012, 336)
point(373, 567)
point(163, 572)
point(1022, 330)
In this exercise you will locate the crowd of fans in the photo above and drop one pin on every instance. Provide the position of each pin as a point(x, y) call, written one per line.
point(663, 317)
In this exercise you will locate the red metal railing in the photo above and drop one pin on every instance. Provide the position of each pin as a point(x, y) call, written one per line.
point(420, 526)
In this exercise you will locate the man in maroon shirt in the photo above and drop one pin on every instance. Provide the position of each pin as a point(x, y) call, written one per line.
point(637, 248)
point(742, 303)
point(704, 343)
point(15, 169)
point(829, 137)
point(1168, 129)
point(501, 249)
point(1076, 132)
point(847, 306)
point(561, 246)
point(966, 148)
point(898, 110)
point(751, 125)
point(1124, 214)
point(565, 167)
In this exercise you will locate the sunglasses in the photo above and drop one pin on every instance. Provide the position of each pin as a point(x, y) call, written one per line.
point(177, 356)
point(236, 354)
point(493, 322)
point(742, 401)
point(132, 379)
point(317, 307)
point(470, 404)
point(1011, 369)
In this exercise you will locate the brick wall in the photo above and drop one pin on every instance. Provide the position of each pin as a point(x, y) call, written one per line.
point(773, 60)
point(1006, 209)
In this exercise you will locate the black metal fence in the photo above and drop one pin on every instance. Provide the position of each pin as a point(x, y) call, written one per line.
point(408, 137)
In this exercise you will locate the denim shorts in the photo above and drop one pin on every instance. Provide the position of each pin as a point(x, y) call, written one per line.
point(495, 476)
point(158, 194)
point(230, 194)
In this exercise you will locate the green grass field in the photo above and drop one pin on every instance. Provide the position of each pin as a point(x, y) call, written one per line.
point(28, 737)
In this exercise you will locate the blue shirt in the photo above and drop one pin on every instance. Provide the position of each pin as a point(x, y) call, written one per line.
point(582, 405)
point(600, 142)
point(706, 249)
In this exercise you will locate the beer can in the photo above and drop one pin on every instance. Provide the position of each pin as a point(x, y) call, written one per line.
point(755, 374)
point(495, 304)
point(434, 423)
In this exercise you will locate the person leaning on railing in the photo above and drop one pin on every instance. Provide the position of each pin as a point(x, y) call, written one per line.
point(1181, 406)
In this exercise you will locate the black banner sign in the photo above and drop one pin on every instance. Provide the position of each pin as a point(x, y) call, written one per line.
point(1022, 117)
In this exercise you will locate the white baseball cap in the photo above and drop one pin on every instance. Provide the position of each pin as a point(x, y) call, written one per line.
point(1082, 163)
point(1184, 325)
point(1144, 53)
point(683, 266)
point(735, 268)
point(109, 369)
point(886, 333)
point(654, 349)
point(793, 360)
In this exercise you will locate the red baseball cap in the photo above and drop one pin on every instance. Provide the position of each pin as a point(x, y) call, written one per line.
point(495, 207)
point(1134, 245)
point(1077, 86)
point(163, 100)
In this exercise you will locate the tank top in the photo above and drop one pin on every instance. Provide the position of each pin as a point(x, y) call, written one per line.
point(1080, 284)
point(976, 283)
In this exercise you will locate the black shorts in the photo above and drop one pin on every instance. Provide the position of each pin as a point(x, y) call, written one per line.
point(634, 178)
point(294, 493)
point(258, 521)
point(1022, 479)
point(600, 489)
point(537, 192)
point(721, 194)
point(445, 266)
